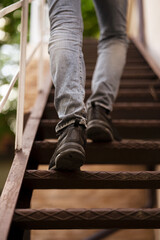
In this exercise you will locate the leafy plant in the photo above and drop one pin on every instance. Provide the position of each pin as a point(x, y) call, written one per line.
point(89, 19)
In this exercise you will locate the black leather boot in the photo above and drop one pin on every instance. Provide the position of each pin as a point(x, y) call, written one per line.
point(100, 127)
point(70, 151)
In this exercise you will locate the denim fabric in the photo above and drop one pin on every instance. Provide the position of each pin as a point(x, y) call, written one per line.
point(112, 50)
point(66, 57)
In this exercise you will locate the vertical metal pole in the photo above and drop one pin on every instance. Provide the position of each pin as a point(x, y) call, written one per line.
point(22, 75)
point(41, 55)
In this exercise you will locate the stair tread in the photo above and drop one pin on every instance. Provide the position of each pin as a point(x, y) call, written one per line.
point(117, 122)
point(121, 110)
point(127, 128)
point(125, 143)
point(87, 218)
point(128, 151)
point(43, 179)
point(128, 105)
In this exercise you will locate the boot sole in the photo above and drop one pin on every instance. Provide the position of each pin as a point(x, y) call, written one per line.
point(69, 160)
point(99, 133)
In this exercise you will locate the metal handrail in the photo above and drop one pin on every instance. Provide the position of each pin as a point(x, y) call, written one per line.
point(10, 8)
point(21, 72)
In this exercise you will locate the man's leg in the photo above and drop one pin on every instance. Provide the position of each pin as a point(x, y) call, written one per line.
point(112, 50)
point(68, 73)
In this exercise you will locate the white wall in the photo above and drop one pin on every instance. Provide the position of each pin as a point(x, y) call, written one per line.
point(152, 27)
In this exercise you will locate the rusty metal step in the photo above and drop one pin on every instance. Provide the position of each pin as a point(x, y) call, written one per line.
point(87, 218)
point(43, 179)
point(127, 67)
point(135, 129)
point(138, 95)
point(89, 60)
point(128, 95)
point(92, 50)
point(92, 54)
point(136, 111)
point(132, 75)
point(120, 111)
point(135, 84)
point(124, 152)
point(128, 71)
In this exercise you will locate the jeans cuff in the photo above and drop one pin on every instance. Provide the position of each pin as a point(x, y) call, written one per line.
point(62, 125)
point(100, 104)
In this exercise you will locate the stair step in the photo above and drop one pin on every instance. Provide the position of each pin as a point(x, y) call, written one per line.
point(138, 129)
point(128, 95)
point(134, 60)
point(131, 75)
point(128, 72)
point(43, 179)
point(90, 65)
point(92, 52)
point(130, 56)
point(134, 84)
point(87, 218)
point(137, 67)
point(120, 111)
point(124, 152)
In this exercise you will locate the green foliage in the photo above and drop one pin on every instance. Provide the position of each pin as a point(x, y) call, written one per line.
point(12, 21)
point(8, 65)
point(5, 120)
point(89, 18)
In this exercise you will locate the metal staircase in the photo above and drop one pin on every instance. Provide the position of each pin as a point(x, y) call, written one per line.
point(136, 115)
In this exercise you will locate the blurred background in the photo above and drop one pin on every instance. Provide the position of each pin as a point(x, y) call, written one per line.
point(142, 24)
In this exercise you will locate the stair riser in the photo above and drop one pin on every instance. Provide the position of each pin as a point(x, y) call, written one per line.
point(93, 54)
point(134, 132)
point(129, 72)
point(119, 112)
point(133, 60)
point(130, 75)
point(135, 67)
point(123, 97)
point(109, 154)
point(141, 84)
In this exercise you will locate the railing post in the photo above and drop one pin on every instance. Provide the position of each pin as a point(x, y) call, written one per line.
point(41, 54)
point(141, 23)
point(22, 75)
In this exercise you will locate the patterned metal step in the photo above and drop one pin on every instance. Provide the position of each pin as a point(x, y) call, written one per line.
point(130, 61)
point(120, 111)
point(42, 179)
point(129, 71)
point(87, 218)
point(132, 75)
point(135, 84)
point(128, 95)
point(124, 152)
point(127, 67)
point(135, 129)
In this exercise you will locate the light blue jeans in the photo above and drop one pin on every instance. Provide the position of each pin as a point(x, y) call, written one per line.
point(66, 57)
